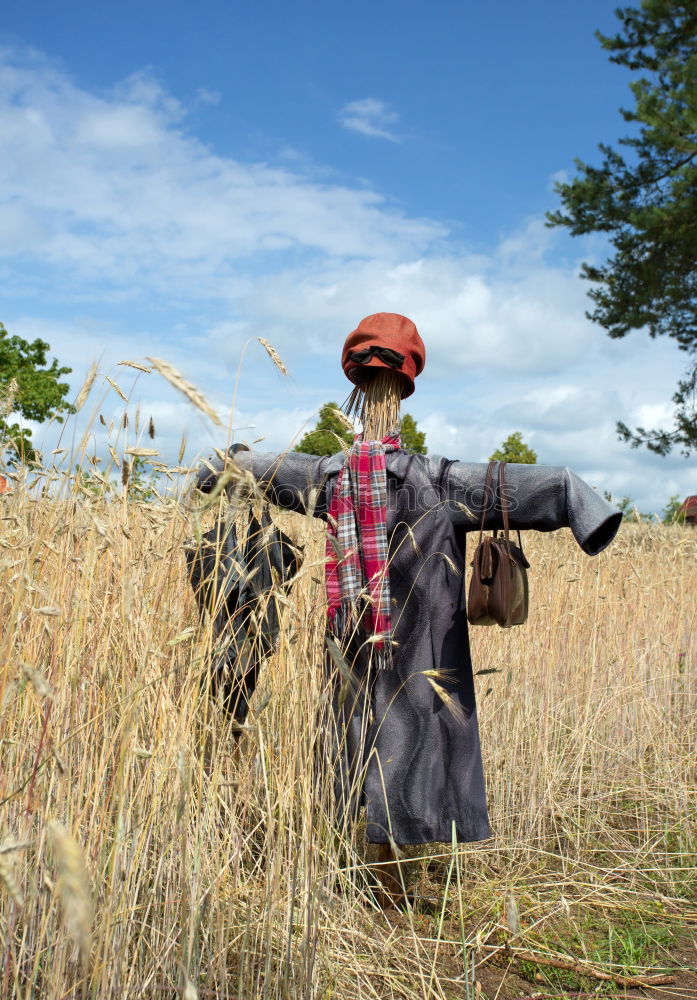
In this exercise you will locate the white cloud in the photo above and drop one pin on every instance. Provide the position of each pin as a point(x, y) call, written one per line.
point(122, 235)
point(117, 192)
point(530, 242)
point(558, 408)
point(558, 177)
point(474, 313)
point(653, 414)
point(118, 129)
point(206, 96)
point(370, 117)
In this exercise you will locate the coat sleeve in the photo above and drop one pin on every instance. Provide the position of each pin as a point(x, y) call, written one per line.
point(290, 479)
point(540, 497)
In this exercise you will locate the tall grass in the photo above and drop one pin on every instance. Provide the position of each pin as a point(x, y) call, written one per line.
point(147, 849)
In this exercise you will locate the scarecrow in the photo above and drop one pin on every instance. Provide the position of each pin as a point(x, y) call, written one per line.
point(408, 750)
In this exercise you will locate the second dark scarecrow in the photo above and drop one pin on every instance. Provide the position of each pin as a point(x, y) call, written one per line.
point(397, 525)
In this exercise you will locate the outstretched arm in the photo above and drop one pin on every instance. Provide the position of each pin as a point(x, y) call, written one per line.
point(290, 479)
point(540, 497)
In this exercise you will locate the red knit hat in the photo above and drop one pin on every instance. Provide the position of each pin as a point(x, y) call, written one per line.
point(384, 340)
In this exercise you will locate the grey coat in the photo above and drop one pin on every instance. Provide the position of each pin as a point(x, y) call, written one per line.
point(421, 762)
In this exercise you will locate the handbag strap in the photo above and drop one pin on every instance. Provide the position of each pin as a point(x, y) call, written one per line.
point(503, 500)
point(487, 486)
point(504, 505)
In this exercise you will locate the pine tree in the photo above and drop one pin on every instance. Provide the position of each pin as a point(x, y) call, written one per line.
point(646, 201)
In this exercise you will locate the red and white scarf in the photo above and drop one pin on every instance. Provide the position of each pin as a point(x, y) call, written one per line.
point(357, 547)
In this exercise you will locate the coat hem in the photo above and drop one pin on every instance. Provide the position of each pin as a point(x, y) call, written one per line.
point(469, 838)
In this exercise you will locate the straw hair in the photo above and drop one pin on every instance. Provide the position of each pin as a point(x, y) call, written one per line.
point(376, 404)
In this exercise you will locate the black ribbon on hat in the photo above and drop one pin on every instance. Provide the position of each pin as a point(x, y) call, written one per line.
point(391, 358)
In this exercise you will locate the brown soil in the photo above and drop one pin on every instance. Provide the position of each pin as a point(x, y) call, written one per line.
point(503, 978)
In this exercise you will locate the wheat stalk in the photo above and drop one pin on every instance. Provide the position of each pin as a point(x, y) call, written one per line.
point(177, 380)
point(73, 887)
point(10, 395)
point(214, 848)
point(117, 388)
point(84, 392)
point(273, 354)
point(134, 364)
point(341, 416)
point(10, 882)
point(189, 992)
point(35, 677)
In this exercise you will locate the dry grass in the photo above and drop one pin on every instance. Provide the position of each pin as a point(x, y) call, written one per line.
point(149, 852)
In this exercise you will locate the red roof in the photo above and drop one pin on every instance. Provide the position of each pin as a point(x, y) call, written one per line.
point(689, 508)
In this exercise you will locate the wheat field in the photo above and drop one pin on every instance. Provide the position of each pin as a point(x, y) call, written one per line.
point(146, 850)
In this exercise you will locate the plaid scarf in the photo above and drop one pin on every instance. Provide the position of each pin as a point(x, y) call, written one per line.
point(357, 546)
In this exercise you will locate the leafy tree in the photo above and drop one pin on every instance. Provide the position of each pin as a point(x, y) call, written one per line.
point(514, 449)
point(646, 201)
point(139, 479)
point(630, 511)
point(413, 439)
point(323, 439)
point(672, 514)
point(90, 479)
point(30, 387)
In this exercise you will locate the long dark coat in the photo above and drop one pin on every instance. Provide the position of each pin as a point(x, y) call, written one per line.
point(421, 761)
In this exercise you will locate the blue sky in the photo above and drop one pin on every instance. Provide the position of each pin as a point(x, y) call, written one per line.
point(178, 179)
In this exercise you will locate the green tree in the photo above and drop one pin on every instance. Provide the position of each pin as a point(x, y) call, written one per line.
point(30, 387)
point(672, 514)
point(323, 439)
point(514, 449)
point(629, 509)
point(139, 478)
point(91, 481)
point(645, 200)
point(412, 438)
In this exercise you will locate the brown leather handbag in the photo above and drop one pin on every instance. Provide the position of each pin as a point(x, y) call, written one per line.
point(498, 593)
